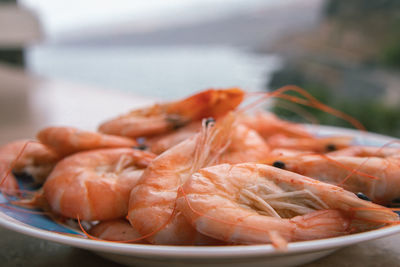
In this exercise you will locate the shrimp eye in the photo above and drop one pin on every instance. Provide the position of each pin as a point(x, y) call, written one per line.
point(330, 147)
point(279, 164)
point(362, 196)
point(209, 121)
point(396, 200)
point(176, 121)
point(140, 147)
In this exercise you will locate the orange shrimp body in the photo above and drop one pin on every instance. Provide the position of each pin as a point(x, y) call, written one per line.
point(95, 185)
point(246, 145)
point(68, 140)
point(377, 178)
point(255, 203)
point(159, 144)
point(25, 156)
point(116, 230)
point(315, 144)
point(162, 118)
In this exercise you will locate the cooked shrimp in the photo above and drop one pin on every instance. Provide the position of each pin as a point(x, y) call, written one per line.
point(246, 145)
point(377, 178)
point(288, 152)
point(95, 185)
point(152, 203)
point(267, 125)
point(116, 230)
point(255, 203)
point(24, 156)
point(68, 140)
point(315, 144)
point(161, 143)
point(162, 118)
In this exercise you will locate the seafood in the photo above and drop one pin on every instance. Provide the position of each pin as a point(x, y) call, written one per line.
point(182, 197)
point(161, 143)
point(256, 203)
point(375, 177)
point(95, 185)
point(116, 230)
point(162, 118)
point(246, 145)
point(28, 157)
point(69, 140)
point(315, 144)
point(152, 202)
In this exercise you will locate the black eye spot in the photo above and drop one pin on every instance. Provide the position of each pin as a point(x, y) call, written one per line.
point(330, 147)
point(279, 164)
point(209, 121)
point(362, 196)
point(396, 200)
point(140, 147)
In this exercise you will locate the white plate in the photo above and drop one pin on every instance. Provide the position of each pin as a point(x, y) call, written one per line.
point(255, 255)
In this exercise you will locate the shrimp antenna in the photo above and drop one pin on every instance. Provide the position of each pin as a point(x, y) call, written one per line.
point(308, 101)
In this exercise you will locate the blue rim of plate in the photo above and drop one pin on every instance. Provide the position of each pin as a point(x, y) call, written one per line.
point(41, 226)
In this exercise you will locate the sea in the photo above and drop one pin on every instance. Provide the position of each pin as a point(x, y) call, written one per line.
point(159, 72)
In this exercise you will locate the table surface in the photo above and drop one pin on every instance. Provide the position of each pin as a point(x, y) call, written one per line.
point(27, 104)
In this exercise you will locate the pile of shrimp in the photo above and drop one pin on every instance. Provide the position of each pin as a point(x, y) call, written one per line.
point(207, 171)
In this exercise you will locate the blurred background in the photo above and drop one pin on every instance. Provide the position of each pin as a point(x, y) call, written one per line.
point(345, 53)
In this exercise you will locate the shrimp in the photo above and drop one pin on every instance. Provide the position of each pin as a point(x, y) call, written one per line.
point(246, 145)
point(28, 157)
point(116, 230)
point(162, 143)
point(95, 185)
point(255, 203)
point(284, 134)
point(68, 140)
point(162, 118)
point(152, 202)
point(315, 144)
point(377, 178)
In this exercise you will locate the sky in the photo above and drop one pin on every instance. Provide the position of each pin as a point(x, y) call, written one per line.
point(59, 16)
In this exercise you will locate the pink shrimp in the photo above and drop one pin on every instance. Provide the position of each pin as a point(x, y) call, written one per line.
point(246, 145)
point(161, 143)
point(68, 140)
point(24, 156)
point(254, 203)
point(315, 144)
point(162, 118)
point(95, 185)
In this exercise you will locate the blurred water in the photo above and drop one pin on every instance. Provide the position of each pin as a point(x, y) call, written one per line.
point(158, 72)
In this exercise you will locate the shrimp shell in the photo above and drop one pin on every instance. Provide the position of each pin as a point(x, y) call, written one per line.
point(161, 118)
point(69, 140)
